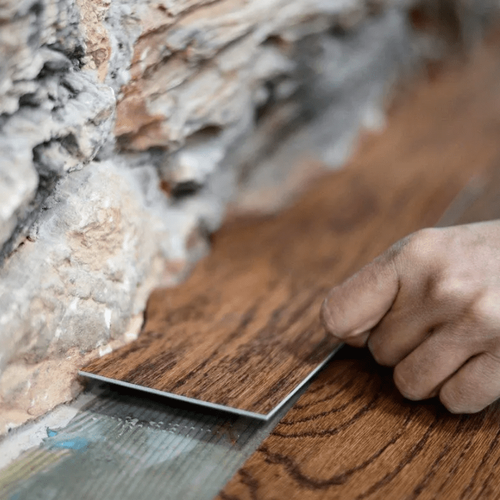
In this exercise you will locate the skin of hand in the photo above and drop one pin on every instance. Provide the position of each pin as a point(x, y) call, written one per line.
point(430, 307)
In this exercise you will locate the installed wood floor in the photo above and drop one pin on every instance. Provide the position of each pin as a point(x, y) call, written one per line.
point(243, 331)
point(351, 435)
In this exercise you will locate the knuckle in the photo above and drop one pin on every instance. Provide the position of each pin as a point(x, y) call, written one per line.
point(451, 289)
point(423, 241)
point(428, 235)
point(484, 309)
point(453, 401)
point(381, 354)
point(421, 245)
point(406, 384)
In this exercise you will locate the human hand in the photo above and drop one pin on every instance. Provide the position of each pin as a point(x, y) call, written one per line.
point(430, 307)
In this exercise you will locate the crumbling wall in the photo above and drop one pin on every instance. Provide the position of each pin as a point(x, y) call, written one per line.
point(127, 126)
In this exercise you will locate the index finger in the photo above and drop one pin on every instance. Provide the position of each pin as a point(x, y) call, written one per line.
point(353, 308)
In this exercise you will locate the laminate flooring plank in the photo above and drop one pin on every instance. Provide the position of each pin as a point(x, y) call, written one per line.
point(243, 331)
point(351, 435)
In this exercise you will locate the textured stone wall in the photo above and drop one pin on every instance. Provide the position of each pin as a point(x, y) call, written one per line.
point(127, 126)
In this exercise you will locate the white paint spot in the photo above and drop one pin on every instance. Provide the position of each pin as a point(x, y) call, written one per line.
point(104, 350)
point(144, 54)
point(129, 336)
point(107, 318)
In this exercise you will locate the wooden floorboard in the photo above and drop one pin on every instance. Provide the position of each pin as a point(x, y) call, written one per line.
point(352, 435)
point(243, 330)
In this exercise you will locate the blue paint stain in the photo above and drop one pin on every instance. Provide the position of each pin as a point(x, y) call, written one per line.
point(77, 444)
point(64, 442)
point(15, 496)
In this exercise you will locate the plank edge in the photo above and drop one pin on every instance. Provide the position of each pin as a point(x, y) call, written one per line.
point(216, 406)
point(290, 395)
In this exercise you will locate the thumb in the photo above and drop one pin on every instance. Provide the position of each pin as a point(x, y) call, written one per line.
point(353, 308)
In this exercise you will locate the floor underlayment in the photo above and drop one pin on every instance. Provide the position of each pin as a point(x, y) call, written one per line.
point(117, 444)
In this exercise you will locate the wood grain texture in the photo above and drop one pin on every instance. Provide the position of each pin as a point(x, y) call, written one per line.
point(243, 331)
point(352, 435)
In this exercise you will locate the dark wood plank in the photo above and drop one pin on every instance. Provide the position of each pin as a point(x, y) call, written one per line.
point(352, 435)
point(243, 331)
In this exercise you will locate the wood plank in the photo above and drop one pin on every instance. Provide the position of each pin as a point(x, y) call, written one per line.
point(243, 331)
point(352, 435)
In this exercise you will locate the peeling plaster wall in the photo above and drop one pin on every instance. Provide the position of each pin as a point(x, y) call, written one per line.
point(126, 127)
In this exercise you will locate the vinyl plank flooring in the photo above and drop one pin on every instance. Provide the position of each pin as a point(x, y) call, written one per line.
point(351, 435)
point(243, 331)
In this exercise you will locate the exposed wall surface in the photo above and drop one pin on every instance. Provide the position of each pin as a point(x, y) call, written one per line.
point(126, 127)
